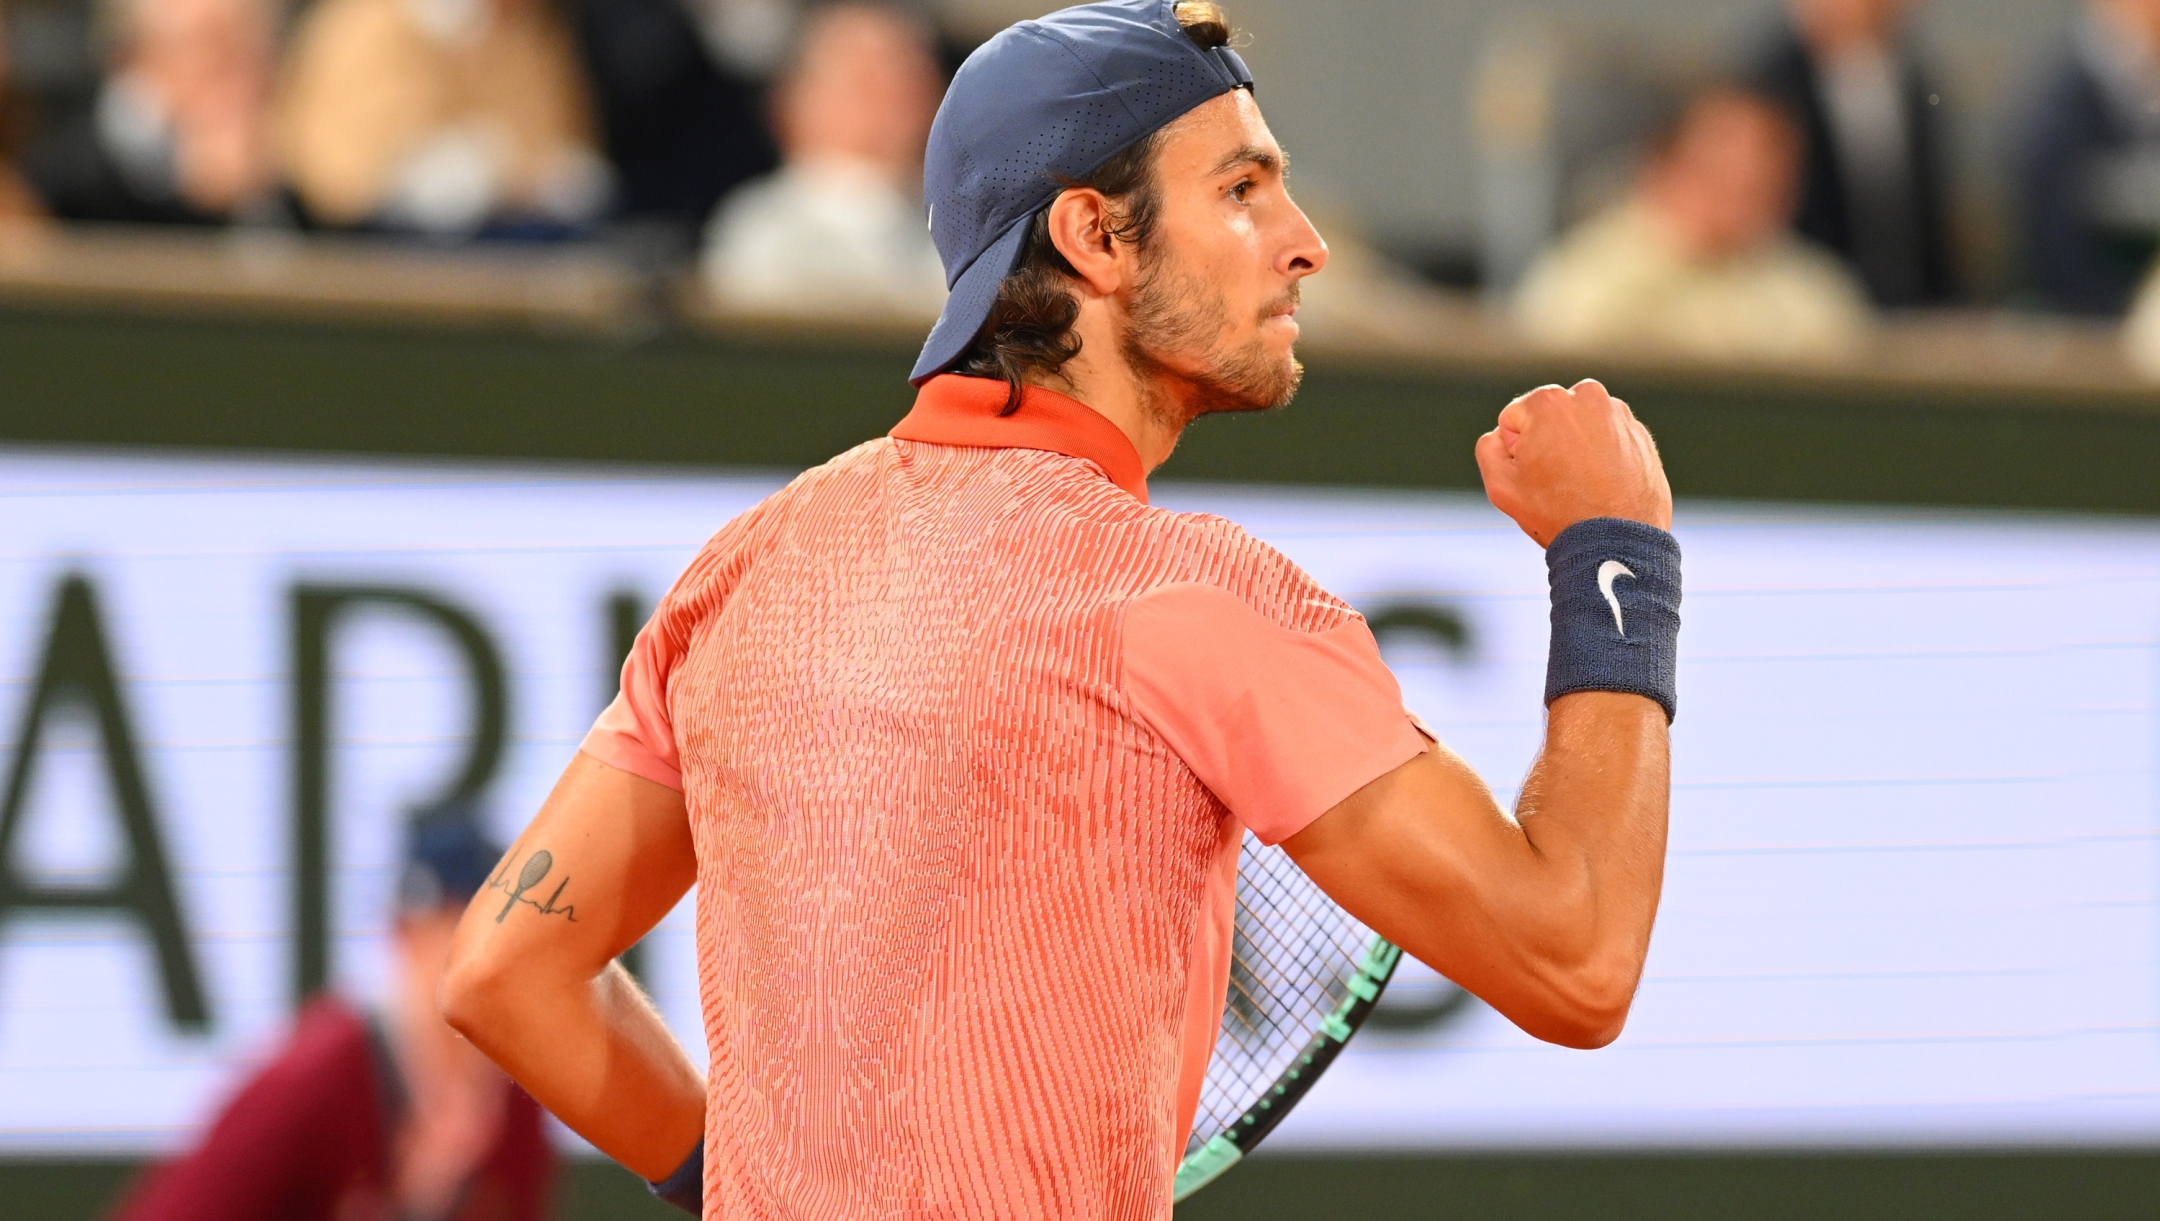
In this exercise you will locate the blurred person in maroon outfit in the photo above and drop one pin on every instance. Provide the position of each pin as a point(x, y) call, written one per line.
point(364, 1117)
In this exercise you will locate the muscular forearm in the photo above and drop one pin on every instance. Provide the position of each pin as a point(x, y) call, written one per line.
point(1593, 815)
point(1545, 916)
point(595, 1054)
point(533, 982)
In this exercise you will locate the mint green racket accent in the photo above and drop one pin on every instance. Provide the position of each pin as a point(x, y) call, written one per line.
point(1304, 975)
point(1207, 1163)
point(1205, 1166)
point(1373, 970)
point(1380, 959)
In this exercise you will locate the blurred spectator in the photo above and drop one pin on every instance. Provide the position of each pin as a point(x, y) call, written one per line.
point(1698, 260)
point(178, 128)
point(2141, 330)
point(16, 203)
point(1871, 183)
point(2089, 176)
point(447, 117)
point(366, 1118)
point(840, 228)
point(681, 110)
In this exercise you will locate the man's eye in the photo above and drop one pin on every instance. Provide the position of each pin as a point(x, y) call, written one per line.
point(1239, 191)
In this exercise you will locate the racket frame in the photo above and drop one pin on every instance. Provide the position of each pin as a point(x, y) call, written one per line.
point(1207, 1163)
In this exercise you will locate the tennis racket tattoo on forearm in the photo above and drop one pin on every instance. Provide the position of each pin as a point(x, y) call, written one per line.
point(1304, 977)
point(534, 873)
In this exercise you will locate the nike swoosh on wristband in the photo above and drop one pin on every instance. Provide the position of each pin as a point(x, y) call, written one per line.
point(1607, 572)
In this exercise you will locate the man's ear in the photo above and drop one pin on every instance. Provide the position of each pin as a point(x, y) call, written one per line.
point(1080, 222)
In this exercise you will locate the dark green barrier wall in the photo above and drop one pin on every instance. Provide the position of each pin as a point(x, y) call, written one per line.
point(789, 401)
point(1814, 1187)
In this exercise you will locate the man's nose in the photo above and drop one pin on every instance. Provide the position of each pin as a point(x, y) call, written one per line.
point(1304, 252)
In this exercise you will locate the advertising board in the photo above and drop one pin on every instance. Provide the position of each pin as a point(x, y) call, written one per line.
point(1911, 896)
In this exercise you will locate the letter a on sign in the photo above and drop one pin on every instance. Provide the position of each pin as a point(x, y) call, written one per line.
point(77, 677)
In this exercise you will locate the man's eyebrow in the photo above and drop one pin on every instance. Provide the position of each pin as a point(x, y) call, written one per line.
point(1255, 156)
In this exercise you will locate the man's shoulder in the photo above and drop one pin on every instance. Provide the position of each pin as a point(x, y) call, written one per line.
point(869, 460)
point(1205, 534)
point(1100, 531)
point(1211, 556)
point(841, 475)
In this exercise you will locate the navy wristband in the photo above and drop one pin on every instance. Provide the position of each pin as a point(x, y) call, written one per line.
point(685, 1188)
point(1615, 610)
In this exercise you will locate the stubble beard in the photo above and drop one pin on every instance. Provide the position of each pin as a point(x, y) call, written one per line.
point(1177, 318)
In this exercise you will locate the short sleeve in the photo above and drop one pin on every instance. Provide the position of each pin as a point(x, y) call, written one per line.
point(1280, 724)
point(635, 733)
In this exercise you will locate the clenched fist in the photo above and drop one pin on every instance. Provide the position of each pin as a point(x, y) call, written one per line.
point(1563, 456)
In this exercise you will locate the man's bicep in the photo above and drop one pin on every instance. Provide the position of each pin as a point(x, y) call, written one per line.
point(1417, 855)
point(607, 857)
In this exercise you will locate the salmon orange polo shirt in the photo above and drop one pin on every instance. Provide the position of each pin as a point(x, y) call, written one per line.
point(969, 735)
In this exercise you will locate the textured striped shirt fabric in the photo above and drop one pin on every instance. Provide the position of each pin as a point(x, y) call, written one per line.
point(968, 734)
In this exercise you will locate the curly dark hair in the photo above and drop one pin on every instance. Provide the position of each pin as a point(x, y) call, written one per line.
point(1029, 330)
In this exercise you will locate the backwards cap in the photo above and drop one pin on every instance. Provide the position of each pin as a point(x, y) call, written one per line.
point(1045, 101)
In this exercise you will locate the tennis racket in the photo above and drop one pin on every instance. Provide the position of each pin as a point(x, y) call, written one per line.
point(1304, 976)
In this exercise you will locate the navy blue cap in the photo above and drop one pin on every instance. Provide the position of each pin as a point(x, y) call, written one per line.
point(1046, 100)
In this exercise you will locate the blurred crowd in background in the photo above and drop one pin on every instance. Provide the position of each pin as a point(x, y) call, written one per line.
point(784, 139)
point(1769, 205)
point(1774, 207)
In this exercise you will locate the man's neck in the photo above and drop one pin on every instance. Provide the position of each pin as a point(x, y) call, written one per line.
point(1140, 402)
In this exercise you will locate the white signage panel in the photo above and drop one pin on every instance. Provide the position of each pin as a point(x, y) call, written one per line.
point(1911, 895)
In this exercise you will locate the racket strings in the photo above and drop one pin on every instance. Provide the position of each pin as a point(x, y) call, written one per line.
point(1293, 954)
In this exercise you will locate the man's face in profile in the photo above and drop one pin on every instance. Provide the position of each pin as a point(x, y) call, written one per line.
point(1215, 305)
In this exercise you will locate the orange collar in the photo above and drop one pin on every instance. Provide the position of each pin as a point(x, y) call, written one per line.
point(952, 409)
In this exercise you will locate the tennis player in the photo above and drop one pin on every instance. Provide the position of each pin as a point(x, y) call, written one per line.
point(957, 736)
